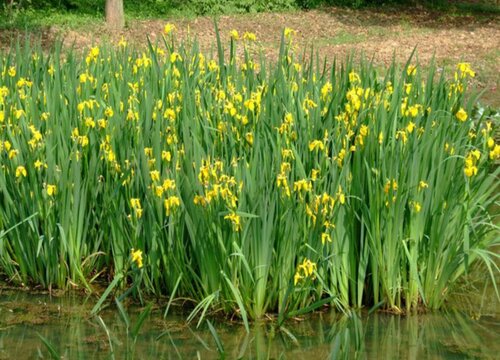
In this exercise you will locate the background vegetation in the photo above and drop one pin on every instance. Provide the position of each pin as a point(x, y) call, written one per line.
point(204, 7)
point(31, 14)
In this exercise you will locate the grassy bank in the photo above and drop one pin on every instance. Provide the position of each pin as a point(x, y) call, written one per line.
point(244, 186)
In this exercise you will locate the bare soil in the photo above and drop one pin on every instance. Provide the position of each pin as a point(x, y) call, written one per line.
point(380, 35)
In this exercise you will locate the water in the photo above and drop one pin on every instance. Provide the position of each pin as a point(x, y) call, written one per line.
point(73, 334)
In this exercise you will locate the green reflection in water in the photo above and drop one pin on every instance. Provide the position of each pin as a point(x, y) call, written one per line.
point(66, 325)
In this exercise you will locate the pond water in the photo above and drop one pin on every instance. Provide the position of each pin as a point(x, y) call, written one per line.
point(70, 332)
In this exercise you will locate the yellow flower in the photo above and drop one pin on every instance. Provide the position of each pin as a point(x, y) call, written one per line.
point(354, 77)
point(175, 56)
point(169, 114)
point(171, 203)
point(289, 32)
point(465, 70)
point(89, 122)
point(389, 87)
point(413, 110)
point(12, 71)
point(302, 185)
point(287, 153)
point(136, 205)
point(234, 35)
point(296, 278)
point(326, 89)
point(363, 130)
point(495, 153)
point(212, 66)
point(328, 225)
point(168, 184)
point(166, 156)
point(12, 153)
point(410, 127)
point(470, 171)
point(102, 123)
point(308, 104)
point(249, 36)
point(94, 52)
point(83, 140)
point(19, 113)
point(39, 164)
point(282, 181)
point(122, 43)
point(308, 267)
point(380, 138)
point(148, 151)
point(340, 195)
point(155, 175)
point(200, 200)
point(159, 191)
point(416, 206)
point(470, 168)
point(235, 220)
point(21, 171)
point(325, 237)
point(411, 70)
point(387, 185)
point(449, 149)
point(340, 157)
point(401, 134)
point(168, 28)
point(316, 145)
point(51, 190)
point(461, 115)
point(108, 112)
point(422, 185)
point(407, 89)
point(92, 55)
point(314, 174)
point(249, 137)
point(250, 104)
point(137, 257)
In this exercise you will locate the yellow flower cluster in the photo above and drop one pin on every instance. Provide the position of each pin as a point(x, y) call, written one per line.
point(137, 257)
point(135, 204)
point(464, 70)
point(471, 161)
point(495, 152)
point(390, 188)
point(219, 187)
point(461, 115)
point(235, 220)
point(51, 189)
point(21, 171)
point(304, 270)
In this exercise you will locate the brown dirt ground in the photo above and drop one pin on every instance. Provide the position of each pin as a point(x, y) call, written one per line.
point(333, 32)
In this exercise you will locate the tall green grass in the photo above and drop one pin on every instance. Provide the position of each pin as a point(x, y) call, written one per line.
point(249, 187)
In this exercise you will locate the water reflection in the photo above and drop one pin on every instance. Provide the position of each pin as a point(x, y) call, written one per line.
point(72, 334)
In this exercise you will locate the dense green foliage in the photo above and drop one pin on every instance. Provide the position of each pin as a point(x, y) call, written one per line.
point(157, 7)
point(197, 7)
point(240, 184)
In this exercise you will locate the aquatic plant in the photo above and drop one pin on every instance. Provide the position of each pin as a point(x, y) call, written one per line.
point(243, 185)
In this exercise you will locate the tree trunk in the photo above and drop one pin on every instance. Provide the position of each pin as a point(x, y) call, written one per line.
point(114, 14)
